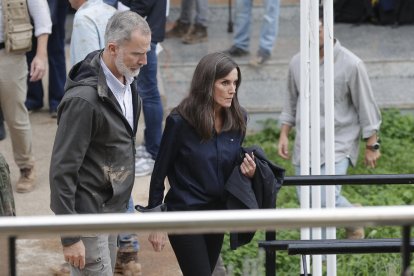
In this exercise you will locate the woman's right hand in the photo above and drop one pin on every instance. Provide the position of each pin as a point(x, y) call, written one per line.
point(158, 240)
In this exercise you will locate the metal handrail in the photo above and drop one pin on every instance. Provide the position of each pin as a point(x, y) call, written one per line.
point(210, 221)
point(310, 180)
point(348, 179)
point(207, 221)
point(222, 221)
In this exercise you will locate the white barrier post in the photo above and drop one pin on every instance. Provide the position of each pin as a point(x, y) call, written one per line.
point(304, 115)
point(329, 120)
point(315, 123)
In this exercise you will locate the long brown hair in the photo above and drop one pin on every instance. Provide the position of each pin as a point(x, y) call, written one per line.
point(198, 107)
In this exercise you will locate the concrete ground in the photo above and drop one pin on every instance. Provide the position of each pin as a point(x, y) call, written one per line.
point(385, 50)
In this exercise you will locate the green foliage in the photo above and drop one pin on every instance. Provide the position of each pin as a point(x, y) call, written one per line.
point(397, 126)
point(244, 254)
point(397, 152)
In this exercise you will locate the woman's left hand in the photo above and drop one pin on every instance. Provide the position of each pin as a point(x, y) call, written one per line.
point(158, 240)
point(248, 166)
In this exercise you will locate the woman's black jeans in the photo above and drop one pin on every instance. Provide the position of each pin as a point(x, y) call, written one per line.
point(197, 254)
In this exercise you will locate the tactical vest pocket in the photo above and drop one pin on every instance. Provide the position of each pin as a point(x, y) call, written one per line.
point(18, 29)
point(20, 39)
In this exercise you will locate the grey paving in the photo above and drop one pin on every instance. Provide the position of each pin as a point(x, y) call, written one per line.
point(387, 52)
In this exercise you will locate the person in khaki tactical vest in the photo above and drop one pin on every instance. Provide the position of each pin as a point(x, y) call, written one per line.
point(15, 28)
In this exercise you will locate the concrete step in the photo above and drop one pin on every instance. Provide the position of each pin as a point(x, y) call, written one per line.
point(386, 51)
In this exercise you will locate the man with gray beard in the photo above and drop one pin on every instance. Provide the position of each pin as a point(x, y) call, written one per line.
point(93, 162)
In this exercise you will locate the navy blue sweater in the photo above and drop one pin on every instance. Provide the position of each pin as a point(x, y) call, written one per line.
point(197, 170)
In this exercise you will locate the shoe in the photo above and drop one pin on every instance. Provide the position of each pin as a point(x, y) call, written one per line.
point(179, 30)
point(26, 182)
point(31, 110)
point(127, 260)
point(235, 51)
point(355, 233)
point(141, 152)
point(131, 269)
point(196, 34)
point(259, 59)
point(2, 131)
point(53, 114)
point(144, 166)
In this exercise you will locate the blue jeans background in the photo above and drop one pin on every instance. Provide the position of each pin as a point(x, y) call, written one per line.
point(153, 115)
point(128, 239)
point(341, 168)
point(201, 11)
point(269, 29)
point(113, 3)
point(151, 102)
point(57, 61)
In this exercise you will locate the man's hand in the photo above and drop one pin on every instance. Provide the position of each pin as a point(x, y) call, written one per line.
point(39, 63)
point(283, 145)
point(371, 158)
point(38, 67)
point(75, 254)
point(157, 239)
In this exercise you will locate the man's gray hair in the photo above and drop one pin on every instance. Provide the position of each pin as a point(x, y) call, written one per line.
point(122, 24)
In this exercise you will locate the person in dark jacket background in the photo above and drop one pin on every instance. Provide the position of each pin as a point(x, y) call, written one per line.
point(200, 147)
point(92, 166)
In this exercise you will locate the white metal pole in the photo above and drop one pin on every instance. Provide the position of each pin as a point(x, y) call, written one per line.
point(304, 115)
point(315, 122)
point(329, 119)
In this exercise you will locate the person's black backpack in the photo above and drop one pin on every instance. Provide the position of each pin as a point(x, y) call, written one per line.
point(395, 12)
point(353, 11)
point(405, 12)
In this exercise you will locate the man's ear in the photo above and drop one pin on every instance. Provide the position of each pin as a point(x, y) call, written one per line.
point(112, 47)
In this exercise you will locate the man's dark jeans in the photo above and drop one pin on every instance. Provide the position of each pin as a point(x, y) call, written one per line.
point(151, 102)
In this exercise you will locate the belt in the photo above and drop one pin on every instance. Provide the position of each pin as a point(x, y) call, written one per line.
point(1, 45)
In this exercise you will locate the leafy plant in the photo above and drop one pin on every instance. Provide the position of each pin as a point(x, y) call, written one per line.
point(397, 152)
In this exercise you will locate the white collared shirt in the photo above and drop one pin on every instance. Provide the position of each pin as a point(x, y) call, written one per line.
point(88, 31)
point(122, 93)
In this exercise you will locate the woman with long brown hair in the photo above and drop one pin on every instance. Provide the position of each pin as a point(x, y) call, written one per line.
point(200, 147)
